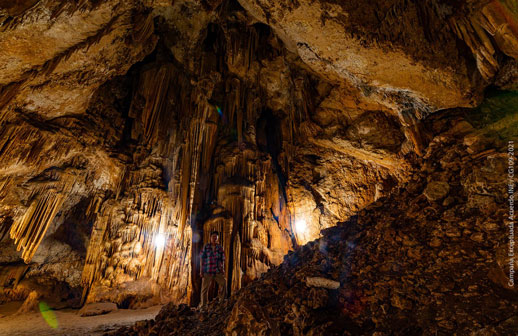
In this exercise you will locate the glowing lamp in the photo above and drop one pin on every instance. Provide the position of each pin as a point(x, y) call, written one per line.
point(160, 240)
point(300, 226)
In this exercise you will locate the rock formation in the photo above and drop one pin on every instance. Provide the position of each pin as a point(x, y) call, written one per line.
point(407, 264)
point(132, 129)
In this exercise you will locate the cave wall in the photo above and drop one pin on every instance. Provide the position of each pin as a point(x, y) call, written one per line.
point(159, 119)
point(430, 258)
point(58, 150)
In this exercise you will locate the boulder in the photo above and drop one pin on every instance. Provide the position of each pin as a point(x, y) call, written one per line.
point(322, 282)
point(98, 308)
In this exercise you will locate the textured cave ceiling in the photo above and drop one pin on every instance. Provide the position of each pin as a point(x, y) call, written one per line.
point(268, 121)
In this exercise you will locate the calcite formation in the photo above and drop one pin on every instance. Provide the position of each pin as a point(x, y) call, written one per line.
point(130, 130)
point(404, 265)
point(487, 29)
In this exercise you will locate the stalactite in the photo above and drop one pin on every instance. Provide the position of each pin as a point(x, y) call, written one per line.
point(144, 27)
point(4, 186)
point(156, 86)
point(494, 22)
point(199, 132)
point(12, 20)
point(29, 231)
point(243, 47)
point(211, 128)
point(6, 94)
point(143, 204)
point(23, 145)
point(180, 129)
point(153, 115)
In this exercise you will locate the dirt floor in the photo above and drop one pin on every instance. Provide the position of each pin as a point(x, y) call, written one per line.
point(68, 320)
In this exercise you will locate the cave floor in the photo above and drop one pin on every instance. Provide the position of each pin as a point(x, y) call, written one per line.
point(69, 321)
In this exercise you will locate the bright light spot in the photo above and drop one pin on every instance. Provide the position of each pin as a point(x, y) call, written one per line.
point(160, 240)
point(300, 226)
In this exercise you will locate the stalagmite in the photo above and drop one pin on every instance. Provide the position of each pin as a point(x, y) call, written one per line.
point(131, 130)
point(237, 272)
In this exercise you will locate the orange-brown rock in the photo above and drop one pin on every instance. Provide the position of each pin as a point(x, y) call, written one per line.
point(131, 129)
point(380, 272)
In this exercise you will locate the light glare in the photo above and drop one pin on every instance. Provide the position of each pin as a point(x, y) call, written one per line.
point(301, 226)
point(160, 240)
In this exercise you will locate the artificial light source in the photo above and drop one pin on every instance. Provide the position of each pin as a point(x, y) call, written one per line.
point(300, 226)
point(160, 240)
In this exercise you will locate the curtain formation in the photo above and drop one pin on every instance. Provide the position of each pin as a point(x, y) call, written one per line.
point(197, 168)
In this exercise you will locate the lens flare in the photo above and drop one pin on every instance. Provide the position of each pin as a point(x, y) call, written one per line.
point(48, 315)
point(196, 238)
point(221, 115)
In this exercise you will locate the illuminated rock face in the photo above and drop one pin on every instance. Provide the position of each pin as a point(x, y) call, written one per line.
point(396, 267)
point(131, 130)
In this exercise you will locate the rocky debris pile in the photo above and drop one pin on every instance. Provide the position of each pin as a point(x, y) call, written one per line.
point(430, 259)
